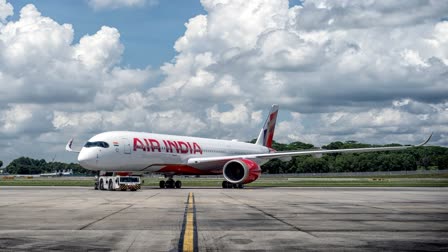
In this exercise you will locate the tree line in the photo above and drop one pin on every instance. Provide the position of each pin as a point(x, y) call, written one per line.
point(427, 157)
point(26, 165)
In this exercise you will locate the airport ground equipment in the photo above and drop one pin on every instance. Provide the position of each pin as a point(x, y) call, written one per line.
point(116, 181)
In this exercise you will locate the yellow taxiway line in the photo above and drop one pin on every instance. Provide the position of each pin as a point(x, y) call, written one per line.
point(189, 239)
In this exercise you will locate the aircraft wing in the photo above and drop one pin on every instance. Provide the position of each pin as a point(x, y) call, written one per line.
point(301, 153)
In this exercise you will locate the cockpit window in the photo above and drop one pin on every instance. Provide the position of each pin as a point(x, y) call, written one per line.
point(96, 144)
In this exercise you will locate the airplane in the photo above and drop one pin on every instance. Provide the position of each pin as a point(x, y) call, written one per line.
point(58, 173)
point(170, 155)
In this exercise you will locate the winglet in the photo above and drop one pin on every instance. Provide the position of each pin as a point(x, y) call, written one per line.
point(426, 141)
point(68, 147)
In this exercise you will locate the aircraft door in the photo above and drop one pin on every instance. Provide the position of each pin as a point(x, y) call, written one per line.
point(126, 146)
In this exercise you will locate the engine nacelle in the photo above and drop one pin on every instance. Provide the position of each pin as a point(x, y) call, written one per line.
point(241, 171)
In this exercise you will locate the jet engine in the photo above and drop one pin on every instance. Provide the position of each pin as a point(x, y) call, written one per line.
point(241, 171)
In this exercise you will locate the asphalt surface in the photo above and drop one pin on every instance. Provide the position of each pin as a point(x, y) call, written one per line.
point(255, 219)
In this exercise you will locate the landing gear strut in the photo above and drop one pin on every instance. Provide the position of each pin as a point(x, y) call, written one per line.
point(170, 183)
point(227, 184)
point(96, 186)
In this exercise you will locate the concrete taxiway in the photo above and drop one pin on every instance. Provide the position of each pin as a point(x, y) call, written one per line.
point(211, 219)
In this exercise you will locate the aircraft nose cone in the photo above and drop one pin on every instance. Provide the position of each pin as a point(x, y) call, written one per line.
point(86, 159)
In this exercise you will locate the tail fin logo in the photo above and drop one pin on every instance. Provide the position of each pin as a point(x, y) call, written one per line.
point(267, 132)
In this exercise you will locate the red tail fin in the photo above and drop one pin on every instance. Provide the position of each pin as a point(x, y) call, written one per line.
point(267, 132)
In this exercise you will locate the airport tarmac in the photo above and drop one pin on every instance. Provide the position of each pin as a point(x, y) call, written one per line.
point(252, 219)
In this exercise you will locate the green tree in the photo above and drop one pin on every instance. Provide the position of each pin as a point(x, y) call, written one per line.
point(274, 166)
point(344, 163)
point(442, 162)
point(299, 146)
point(334, 146)
point(25, 165)
point(314, 165)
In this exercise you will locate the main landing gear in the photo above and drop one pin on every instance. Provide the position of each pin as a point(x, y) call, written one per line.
point(170, 183)
point(227, 184)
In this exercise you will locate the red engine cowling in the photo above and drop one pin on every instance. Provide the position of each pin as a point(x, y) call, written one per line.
point(241, 171)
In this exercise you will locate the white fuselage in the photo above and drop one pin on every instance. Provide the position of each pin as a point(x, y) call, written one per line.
point(147, 152)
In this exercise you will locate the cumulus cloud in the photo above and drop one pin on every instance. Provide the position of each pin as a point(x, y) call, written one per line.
point(102, 49)
point(354, 58)
point(51, 86)
point(115, 4)
point(6, 10)
point(33, 36)
point(41, 65)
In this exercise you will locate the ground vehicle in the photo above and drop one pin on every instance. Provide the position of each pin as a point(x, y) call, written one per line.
point(114, 182)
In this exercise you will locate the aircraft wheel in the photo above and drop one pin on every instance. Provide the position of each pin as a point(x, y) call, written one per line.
point(226, 184)
point(234, 185)
point(96, 185)
point(240, 186)
point(178, 184)
point(101, 185)
point(162, 184)
point(169, 183)
point(111, 185)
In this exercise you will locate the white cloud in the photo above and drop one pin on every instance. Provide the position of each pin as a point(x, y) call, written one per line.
point(12, 118)
point(439, 40)
point(23, 119)
point(6, 10)
point(40, 64)
point(50, 86)
point(103, 49)
point(351, 60)
point(115, 4)
point(412, 58)
point(32, 38)
point(238, 115)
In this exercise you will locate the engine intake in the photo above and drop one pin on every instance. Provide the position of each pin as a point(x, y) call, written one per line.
point(241, 171)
